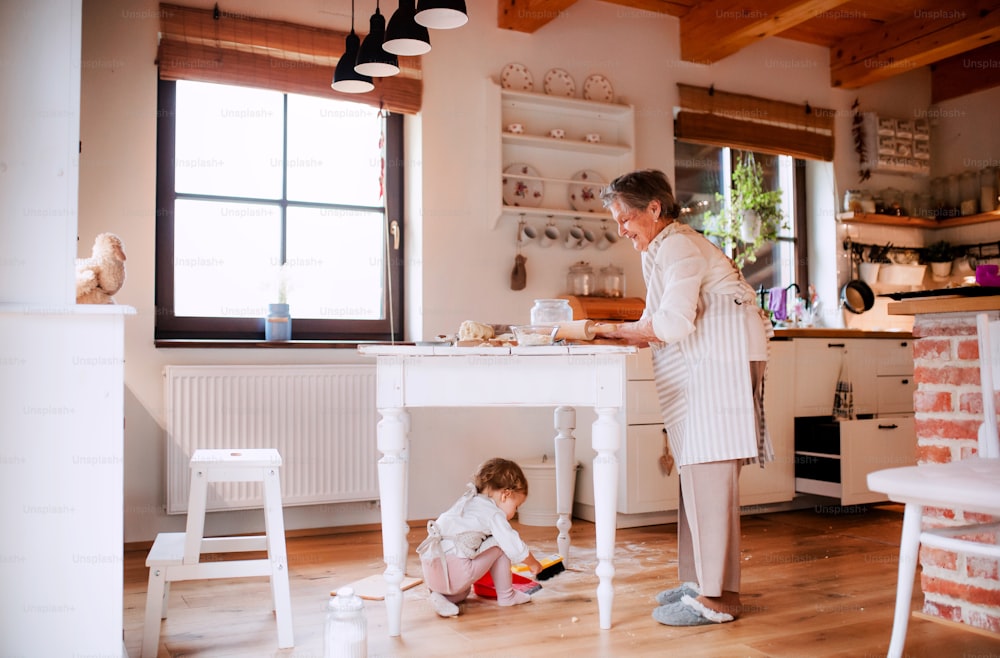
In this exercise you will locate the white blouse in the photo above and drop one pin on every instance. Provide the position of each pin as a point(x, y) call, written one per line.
point(688, 264)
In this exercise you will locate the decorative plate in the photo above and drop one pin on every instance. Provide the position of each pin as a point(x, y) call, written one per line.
point(597, 88)
point(559, 83)
point(516, 77)
point(586, 194)
point(519, 188)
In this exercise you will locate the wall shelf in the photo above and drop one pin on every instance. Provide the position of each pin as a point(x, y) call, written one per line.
point(556, 161)
point(918, 222)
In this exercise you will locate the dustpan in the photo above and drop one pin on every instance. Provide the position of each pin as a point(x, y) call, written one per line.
point(485, 588)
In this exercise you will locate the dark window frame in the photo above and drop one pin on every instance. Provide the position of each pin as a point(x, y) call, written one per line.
point(170, 327)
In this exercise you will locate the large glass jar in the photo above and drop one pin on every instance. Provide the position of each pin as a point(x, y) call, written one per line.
point(852, 201)
point(969, 186)
point(987, 189)
point(551, 311)
point(954, 195)
point(580, 279)
point(612, 281)
point(345, 634)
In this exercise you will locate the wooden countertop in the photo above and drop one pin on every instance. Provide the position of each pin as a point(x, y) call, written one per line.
point(824, 332)
point(944, 304)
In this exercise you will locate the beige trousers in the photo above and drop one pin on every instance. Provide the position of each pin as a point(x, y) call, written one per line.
point(708, 526)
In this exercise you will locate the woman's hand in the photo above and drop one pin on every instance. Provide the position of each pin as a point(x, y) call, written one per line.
point(639, 333)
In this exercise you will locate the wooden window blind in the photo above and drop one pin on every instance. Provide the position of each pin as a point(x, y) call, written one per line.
point(208, 45)
point(709, 116)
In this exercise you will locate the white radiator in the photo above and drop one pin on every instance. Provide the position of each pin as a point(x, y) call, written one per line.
point(321, 419)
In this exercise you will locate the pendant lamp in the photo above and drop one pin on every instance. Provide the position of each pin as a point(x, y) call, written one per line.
point(373, 60)
point(404, 36)
point(345, 78)
point(442, 14)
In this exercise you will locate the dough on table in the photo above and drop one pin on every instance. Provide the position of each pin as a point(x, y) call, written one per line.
point(470, 330)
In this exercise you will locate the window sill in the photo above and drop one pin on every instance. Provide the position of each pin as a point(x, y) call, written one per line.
point(211, 343)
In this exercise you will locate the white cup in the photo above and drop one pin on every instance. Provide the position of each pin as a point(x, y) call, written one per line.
point(592, 138)
point(607, 238)
point(574, 237)
point(527, 233)
point(515, 128)
point(550, 235)
point(557, 133)
point(588, 239)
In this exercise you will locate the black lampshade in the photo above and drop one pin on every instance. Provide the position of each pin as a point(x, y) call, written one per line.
point(373, 60)
point(442, 14)
point(345, 78)
point(404, 36)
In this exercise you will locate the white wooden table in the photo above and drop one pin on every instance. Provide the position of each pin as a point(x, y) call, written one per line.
point(563, 377)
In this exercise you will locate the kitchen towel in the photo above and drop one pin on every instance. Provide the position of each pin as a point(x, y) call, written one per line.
point(776, 303)
point(843, 396)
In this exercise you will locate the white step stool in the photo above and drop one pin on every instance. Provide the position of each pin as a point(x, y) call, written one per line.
point(177, 555)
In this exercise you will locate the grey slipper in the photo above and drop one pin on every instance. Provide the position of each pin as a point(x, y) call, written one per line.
point(688, 612)
point(675, 594)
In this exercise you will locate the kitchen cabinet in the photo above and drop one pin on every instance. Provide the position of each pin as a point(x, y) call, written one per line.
point(880, 371)
point(834, 458)
point(557, 166)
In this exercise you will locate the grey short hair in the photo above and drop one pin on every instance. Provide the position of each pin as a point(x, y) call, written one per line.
point(637, 188)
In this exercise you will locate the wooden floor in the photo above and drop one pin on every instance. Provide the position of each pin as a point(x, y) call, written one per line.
point(816, 583)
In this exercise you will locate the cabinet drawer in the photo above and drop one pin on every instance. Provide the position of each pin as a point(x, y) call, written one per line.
point(643, 405)
point(894, 357)
point(895, 394)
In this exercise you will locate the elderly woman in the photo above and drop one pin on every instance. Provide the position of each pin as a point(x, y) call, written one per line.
point(708, 339)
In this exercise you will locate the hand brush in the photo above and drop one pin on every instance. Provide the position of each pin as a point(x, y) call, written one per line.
point(551, 565)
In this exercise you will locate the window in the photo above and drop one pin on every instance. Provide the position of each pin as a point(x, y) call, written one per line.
point(699, 177)
point(267, 197)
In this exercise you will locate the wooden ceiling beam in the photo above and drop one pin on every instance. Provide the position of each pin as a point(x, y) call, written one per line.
point(716, 29)
point(967, 73)
point(529, 15)
point(670, 7)
point(919, 39)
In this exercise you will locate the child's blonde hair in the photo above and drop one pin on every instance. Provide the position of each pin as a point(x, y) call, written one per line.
point(499, 474)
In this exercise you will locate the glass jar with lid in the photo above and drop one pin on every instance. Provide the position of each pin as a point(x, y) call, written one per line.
point(612, 281)
point(580, 279)
point(852, 201)
point(551, 311)
point(987, 189)
point(969, 186)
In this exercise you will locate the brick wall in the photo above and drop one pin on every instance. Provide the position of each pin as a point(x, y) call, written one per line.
point(948, 406)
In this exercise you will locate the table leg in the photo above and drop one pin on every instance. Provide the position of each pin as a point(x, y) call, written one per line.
point(392, 477)
point(565, 423)
point(606, 440)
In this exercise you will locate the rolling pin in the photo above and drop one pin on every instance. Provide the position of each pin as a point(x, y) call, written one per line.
point(582, 330)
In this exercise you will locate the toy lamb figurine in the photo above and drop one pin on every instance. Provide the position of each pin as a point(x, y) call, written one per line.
point(103, 274)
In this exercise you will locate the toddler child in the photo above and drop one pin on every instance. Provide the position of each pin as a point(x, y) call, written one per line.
point(475, 536)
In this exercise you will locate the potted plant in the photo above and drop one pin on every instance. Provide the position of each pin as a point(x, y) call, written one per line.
point(940, 255)
point(754, 216)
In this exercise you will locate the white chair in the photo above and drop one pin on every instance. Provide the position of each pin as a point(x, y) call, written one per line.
point(177, 555)
point(971, 485)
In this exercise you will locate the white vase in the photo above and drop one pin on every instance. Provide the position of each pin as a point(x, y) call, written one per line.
point(750, 227)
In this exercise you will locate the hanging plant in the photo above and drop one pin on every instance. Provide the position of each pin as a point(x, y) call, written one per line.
point(754, 216)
